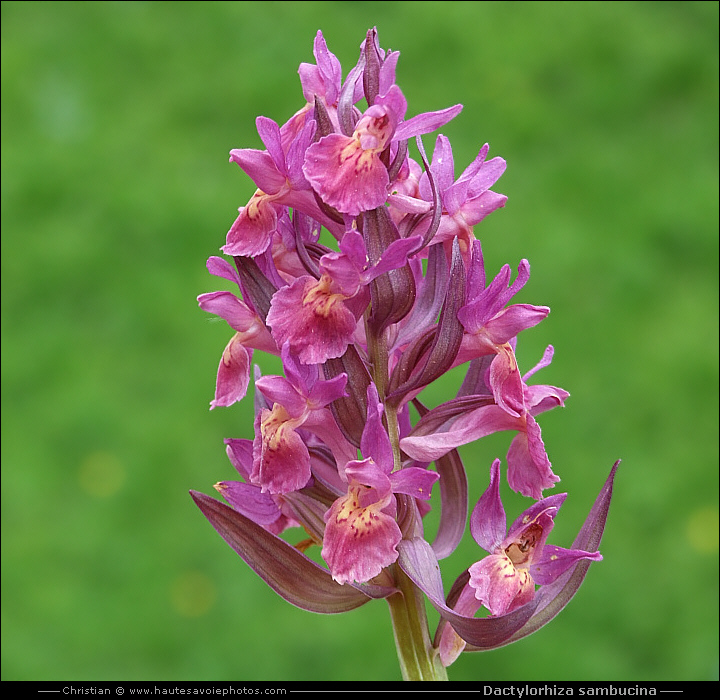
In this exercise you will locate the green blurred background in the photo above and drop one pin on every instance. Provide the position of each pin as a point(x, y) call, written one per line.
point(117, 119)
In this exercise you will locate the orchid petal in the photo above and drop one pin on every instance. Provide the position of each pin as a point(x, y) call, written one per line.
point(487, 522)
point(219, 267)
point(426, 123)
point(375, 442)
point(229, 307)
point(269, 133)
point(261, 168)
point(250, 501)
point(413, 481)
point(233, 376)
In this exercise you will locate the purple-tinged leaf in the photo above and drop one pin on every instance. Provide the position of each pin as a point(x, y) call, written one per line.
point(430, 298)
point(453, 502)
point(350, 411)
point(347, 115)
point(291, 574)
point(322, 118)
point(393, 292)
point(399, 160)
point(446, 341)
point(371, 72)
point(453, 486)
point(310, 264)
point(437, 201)
point(257, 289)
point(400, 379)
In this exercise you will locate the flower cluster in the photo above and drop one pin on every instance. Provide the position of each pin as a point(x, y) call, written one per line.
point(359, 268)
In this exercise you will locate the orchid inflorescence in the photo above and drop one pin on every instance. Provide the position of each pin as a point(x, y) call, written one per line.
point(359, 268)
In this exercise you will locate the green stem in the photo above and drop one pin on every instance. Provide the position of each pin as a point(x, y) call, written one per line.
point(418, 660)
point(394, 434)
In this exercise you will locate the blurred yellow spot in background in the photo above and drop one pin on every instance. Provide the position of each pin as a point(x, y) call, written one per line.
point(702, 530)
point(101, 474)
point(192, 594)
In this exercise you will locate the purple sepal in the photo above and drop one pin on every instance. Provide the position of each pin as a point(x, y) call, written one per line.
point(426, 123)
point(325, 78)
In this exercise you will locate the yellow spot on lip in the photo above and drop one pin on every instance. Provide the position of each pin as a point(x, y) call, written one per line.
point(360, 520)
point(275, 427)
point(318, 296)
point(350, 151)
